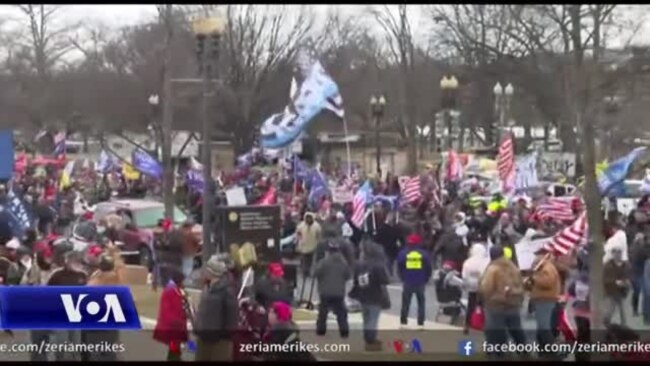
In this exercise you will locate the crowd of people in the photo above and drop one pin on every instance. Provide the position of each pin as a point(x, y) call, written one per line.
point(446, 237)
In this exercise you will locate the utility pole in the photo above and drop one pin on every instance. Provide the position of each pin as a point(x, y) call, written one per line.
point(168, 170)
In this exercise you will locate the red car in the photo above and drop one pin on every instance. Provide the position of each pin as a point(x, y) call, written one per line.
point(144, 215)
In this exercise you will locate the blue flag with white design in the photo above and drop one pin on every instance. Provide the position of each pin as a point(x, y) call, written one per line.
point(611, 181)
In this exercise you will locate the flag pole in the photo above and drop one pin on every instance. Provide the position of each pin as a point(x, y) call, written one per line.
point(347, 147)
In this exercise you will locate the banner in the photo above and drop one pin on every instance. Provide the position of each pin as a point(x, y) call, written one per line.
point(7, 153)
point(129, 172)
point(342, 194)
point(558, 162)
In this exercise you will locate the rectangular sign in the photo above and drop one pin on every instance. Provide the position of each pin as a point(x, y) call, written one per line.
point(341, 194)
point(526, 252)
point(67, 307)
point(258, 225)
point(557, 162)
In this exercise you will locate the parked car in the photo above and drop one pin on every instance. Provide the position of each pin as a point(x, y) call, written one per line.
point(144, 215)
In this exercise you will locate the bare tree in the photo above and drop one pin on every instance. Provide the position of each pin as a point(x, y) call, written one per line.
point(399, 39)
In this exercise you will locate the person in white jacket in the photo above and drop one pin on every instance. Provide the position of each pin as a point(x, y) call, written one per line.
point(616, 241)
point(472, 272)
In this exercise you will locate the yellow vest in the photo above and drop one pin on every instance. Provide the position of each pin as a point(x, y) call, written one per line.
point(414, 260)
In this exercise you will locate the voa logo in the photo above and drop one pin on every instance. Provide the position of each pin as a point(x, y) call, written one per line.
point(77, 308)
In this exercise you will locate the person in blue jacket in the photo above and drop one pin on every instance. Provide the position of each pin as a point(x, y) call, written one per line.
point(415, 269)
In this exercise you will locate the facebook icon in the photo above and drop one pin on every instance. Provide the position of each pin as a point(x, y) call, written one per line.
point(465, 348)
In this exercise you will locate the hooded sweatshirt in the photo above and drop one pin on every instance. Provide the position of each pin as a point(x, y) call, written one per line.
point(616, 241)
point(309, 235)
point(474, 267)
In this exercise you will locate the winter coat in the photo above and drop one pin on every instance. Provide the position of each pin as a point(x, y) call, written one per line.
point(499, 274)
point(474, 267)
point(388, 237)
point(414, 265)
point(616, 241)
point(370, 277)
point(269, 290)
point(613, 272)
point(113, 277)
point(171, 326)
point(450, 247)
point(216, 317)
point(546, 281)
point(308, 236)
point(332, 272)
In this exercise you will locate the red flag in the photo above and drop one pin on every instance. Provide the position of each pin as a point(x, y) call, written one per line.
point(269, 198)
point(454, 167)
point(506, 163)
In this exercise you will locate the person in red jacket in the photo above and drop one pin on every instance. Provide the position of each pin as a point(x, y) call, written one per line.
point(171, 327)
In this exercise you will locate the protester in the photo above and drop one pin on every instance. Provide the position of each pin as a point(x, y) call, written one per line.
point(332, 273)
point(283, 331)
point(502, 290)
point(544, 294)
point(273, 288)
point(214, 329)
point(190, 248)
point(415, 270)
point(618, 240)
point(616, 279)
point(309, 235)
point(171, 325)
point(109, 273)
point(451, 247)
point(473, 270)
point(369, 287)
point(579, 290)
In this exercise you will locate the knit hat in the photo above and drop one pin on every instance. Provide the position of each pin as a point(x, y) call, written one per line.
point(276, 270)
point(282, 311)
point(215, 267)
point(496, 252)
point(414, 239)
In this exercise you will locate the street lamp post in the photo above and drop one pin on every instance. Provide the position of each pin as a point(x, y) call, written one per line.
point(154, 101)
point(448, 86)
point(502, 99)
point(204, 30)
point(377, 105)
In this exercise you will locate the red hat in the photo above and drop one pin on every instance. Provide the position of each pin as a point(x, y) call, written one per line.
point(414, 239)
point(276, 270)
point(282, 311)
point(167, 225)
point(95, 251)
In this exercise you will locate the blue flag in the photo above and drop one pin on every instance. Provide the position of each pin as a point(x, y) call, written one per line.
point(194, 180)
point(106, 162)
point(318, 187)
point(146, 164)
point(391, 201)
point(300, 171)
point(18, 215)
point(611, 181)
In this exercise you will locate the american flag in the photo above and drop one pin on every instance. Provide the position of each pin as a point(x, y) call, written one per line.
point(569, 238)
point(59, 144)
point(557, 209)
point(506, 163)
point(411, 191)
point(359, 202)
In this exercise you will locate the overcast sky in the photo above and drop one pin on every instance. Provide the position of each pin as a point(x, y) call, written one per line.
point(120, 15)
